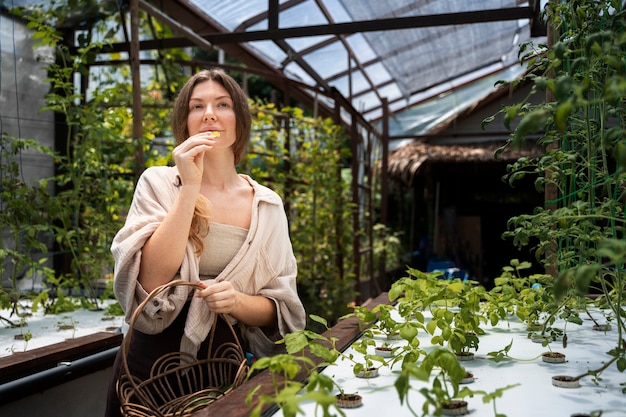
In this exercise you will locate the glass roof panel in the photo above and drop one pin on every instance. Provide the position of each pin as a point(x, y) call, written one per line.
point(303, 14)
point(337, 12)
point(361, 47)
point(329, 60)
point(405, 65)
point(299, 44)
point(378, 73)
point(422, 117)
point(232, 13)
point(297, 73)
point(374, 114)
point(366, 101)
point(422, 57)
point(270, 51)
point(355, 84)
point(391, 91)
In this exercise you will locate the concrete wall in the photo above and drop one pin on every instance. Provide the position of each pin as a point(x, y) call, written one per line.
point(22, 92)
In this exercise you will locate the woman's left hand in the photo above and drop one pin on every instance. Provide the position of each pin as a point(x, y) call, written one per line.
point(221, 297)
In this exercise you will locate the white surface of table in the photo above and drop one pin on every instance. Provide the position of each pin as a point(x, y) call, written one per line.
point(534, 397)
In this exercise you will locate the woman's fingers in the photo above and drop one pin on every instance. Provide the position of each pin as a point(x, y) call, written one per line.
point(189, 155)
point(221, 297)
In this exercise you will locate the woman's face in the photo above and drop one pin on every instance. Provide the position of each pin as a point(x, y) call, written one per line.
point(211, 110)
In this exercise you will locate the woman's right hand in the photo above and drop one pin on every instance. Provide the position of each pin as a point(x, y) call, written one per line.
point(189, 157)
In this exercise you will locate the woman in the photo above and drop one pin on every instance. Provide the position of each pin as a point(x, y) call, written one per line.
point(201, 221)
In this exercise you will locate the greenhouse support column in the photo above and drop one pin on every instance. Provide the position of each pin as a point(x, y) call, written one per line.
point(136, 86)
point(382, 261)
point(551, 192)
point(339, 202)
point(354, 137)
point(384, 186)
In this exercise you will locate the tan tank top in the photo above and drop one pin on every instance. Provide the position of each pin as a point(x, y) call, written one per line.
point(220, 247)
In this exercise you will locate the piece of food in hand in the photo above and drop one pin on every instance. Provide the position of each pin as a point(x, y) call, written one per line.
point(216, 134)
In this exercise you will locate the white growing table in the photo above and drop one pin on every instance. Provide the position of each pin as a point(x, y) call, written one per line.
point(535, 396)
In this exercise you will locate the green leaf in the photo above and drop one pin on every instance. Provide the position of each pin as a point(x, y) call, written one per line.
point(395, 292)
point(531, 123)
point(319, 319)
point(431, 326)
point(408, 332)
point(620, 156)
point(456, 287)
point(295, 342)
point(510, 113)
point(562, 114)
point(584, 275)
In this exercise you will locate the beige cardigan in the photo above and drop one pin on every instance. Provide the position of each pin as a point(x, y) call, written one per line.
point(265, 265)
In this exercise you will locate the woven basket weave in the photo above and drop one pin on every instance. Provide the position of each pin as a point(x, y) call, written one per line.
point(179, 384)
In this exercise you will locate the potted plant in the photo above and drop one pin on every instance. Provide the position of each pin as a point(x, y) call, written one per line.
point(468, 378)
point(381, 321)
point(418, 292)
point(289, 393)
point(385, 349)
point(324, 347)
point(319, 387)
point(364, 364)
point(518, 295)
point(462, 342)
point(386, 325)
point(441, 368)
point(459, 328)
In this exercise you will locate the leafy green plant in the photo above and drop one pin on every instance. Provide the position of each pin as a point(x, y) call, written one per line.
point(24, 221)
point(387, 246)
point(503, 355)
point(304, 160)
point(386, 325)
point(26, 336)
point(459, 326)
point(517, 294)
point(490, 397)
point(288, 393)
point(381, 321)
point(365, 364)
point(455, 306)
point(365, 316)
point(324, 346)
point(579, 234)
point(418, 292)
point(443, 370)
point(68, 323)
point(468, 319)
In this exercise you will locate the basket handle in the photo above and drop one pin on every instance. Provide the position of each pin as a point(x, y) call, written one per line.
point(126, 341)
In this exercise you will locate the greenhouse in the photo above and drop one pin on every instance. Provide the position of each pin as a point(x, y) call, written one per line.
point(453, 182)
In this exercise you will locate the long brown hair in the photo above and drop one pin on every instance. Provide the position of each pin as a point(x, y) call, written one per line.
point(202, 211)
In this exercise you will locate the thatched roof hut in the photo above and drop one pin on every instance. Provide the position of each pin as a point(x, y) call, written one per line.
point(405, 162)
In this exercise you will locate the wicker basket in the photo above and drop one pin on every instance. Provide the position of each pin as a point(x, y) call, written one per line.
point(179, 384)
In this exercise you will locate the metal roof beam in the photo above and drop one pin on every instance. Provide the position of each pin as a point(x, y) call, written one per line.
point(198, 40)
point(411, 22)
point(266, 15)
